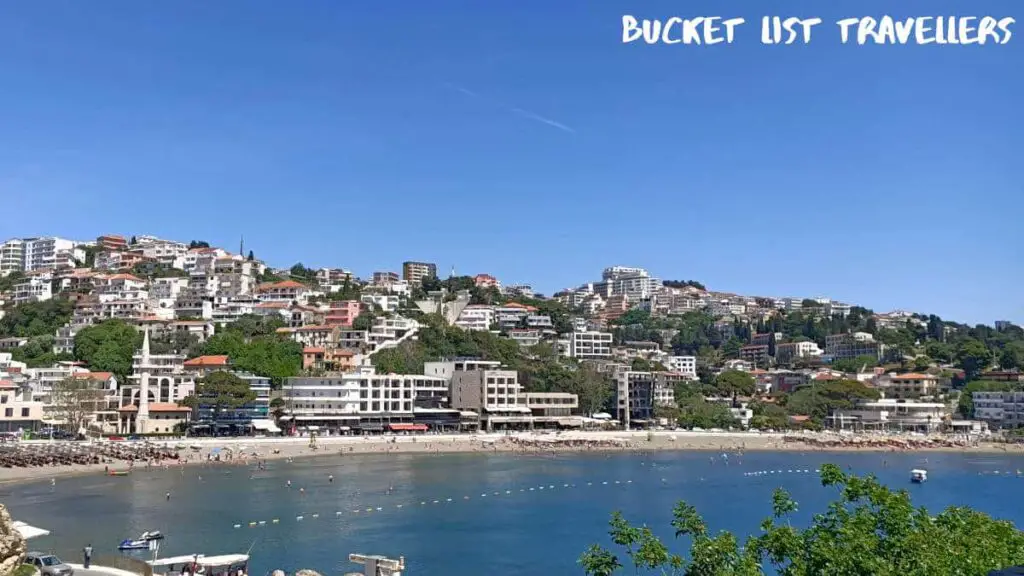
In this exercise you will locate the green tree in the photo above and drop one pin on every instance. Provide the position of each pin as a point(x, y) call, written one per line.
point(1012, 356)
point(973, 357)
point(819, 400)
point(699, 413)
point(36, 318)
point(870, 530)
point(854, 365)
point(108, 347)
point(221, 390)
point(733, 383)
point(364, 321)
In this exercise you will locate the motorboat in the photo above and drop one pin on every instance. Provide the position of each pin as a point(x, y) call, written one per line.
point(918, 476)
point(135, 544)
point(223, 565)
point(151, 535)
point(119, 473)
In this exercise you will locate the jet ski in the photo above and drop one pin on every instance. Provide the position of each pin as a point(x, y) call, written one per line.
point(130, 544)
point(151, 535)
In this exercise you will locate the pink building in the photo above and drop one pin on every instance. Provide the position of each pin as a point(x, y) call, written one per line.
point(485, 281)
point(343, 313)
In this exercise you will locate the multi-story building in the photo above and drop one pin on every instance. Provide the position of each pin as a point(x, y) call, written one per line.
point(415, 272)
point(343, 313)
point(49, 253)
point(386, 302)
point(476, 317)
point(590, 345)
point(891, 414)
point(634, 283)
point(789, 352)
point(637, 394)
point(910, 385)
point(685, 365)
point(34, 287)
point(385, 278)
point(486, 281)
point(12, 256)
point(164, 252)
point(364, 401)
point(327, 277)
point(114, 261)
point(757, 354)
point(286, 291)
point(233, 276)
point(162, 376)
point(840, 346)
point(112, 242)
point(485, 388)
point(18, 411)
point(42, 380)
point(553, 409)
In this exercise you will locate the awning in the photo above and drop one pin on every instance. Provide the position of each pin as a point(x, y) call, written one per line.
point(266, 426)
point(28, 532)
point(407, 427)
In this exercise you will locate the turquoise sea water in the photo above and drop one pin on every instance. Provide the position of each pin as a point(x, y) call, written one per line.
point(498, 514)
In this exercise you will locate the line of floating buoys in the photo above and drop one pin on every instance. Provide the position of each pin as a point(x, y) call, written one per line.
point(1000, 473)
point(369, 510)
point(767, 472)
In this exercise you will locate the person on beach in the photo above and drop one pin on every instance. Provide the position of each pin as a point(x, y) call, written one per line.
point(86, 556)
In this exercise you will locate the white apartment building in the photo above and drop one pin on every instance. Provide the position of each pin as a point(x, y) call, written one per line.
point(165, 252)
point(685, 365)
point(476, 317)
point(999, 409)
point(789, 351)
point(891, 414)
point(41, 380)
point(635, 283)
point(51, 252)
point(485, 388)
point(386, 302)
point(227, 310)
point(36, 287)
point(590, 345)
point(12, 256)
point(286, 291)
point(362, 398)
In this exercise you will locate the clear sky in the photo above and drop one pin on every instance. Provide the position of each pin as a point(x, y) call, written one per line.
point(523, 139)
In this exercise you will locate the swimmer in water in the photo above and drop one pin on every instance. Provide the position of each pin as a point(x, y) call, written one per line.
point(330, 477)
point(288, 484)
point(168, 496)
point(53, 481)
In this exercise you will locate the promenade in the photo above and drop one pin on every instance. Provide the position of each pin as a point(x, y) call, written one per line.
point(95, 570)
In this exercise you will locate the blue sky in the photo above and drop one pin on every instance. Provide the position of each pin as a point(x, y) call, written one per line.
point(525, 140)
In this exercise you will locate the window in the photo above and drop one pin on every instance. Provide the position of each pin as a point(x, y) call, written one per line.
point(8, 412)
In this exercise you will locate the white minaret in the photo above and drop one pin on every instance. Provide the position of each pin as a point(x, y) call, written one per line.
point(143, 414)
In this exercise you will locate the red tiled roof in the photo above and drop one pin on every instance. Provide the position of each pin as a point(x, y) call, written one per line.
point(93, 375)
point(216, 360)
point(913, 376)
point(313, 350)
point(282, 284)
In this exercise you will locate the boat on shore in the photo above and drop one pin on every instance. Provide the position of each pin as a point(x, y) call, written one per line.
point(918, 476)
point(119, 473)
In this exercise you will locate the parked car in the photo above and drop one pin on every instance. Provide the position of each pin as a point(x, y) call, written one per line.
point(48, 564)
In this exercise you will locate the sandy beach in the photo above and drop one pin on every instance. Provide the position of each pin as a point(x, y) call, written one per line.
point(247, 451)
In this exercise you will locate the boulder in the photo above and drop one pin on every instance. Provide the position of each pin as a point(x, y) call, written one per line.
point(307, 573)
point(12, 544)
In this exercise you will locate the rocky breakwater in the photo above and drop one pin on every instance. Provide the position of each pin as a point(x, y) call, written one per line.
point(12, 544)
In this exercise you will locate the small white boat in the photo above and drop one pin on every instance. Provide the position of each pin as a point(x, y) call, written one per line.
point(918, 476)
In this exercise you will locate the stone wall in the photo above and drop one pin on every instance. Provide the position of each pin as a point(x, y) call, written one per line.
point(12, 544)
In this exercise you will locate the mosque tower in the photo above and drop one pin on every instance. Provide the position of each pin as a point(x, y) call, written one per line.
point(143, 414)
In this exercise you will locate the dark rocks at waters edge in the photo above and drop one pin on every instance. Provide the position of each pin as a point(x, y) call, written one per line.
point(12, 544)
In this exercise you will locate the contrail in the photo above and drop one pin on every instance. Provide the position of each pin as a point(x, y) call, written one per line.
point(543, 120)
point(517, 111)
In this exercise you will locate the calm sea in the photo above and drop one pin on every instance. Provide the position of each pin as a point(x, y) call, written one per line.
point(500, 514)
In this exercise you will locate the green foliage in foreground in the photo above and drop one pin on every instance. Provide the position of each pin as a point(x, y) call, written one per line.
point(870, 530)
point(24, 570)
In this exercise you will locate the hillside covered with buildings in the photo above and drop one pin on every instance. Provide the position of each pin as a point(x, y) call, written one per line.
point(143, 335)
